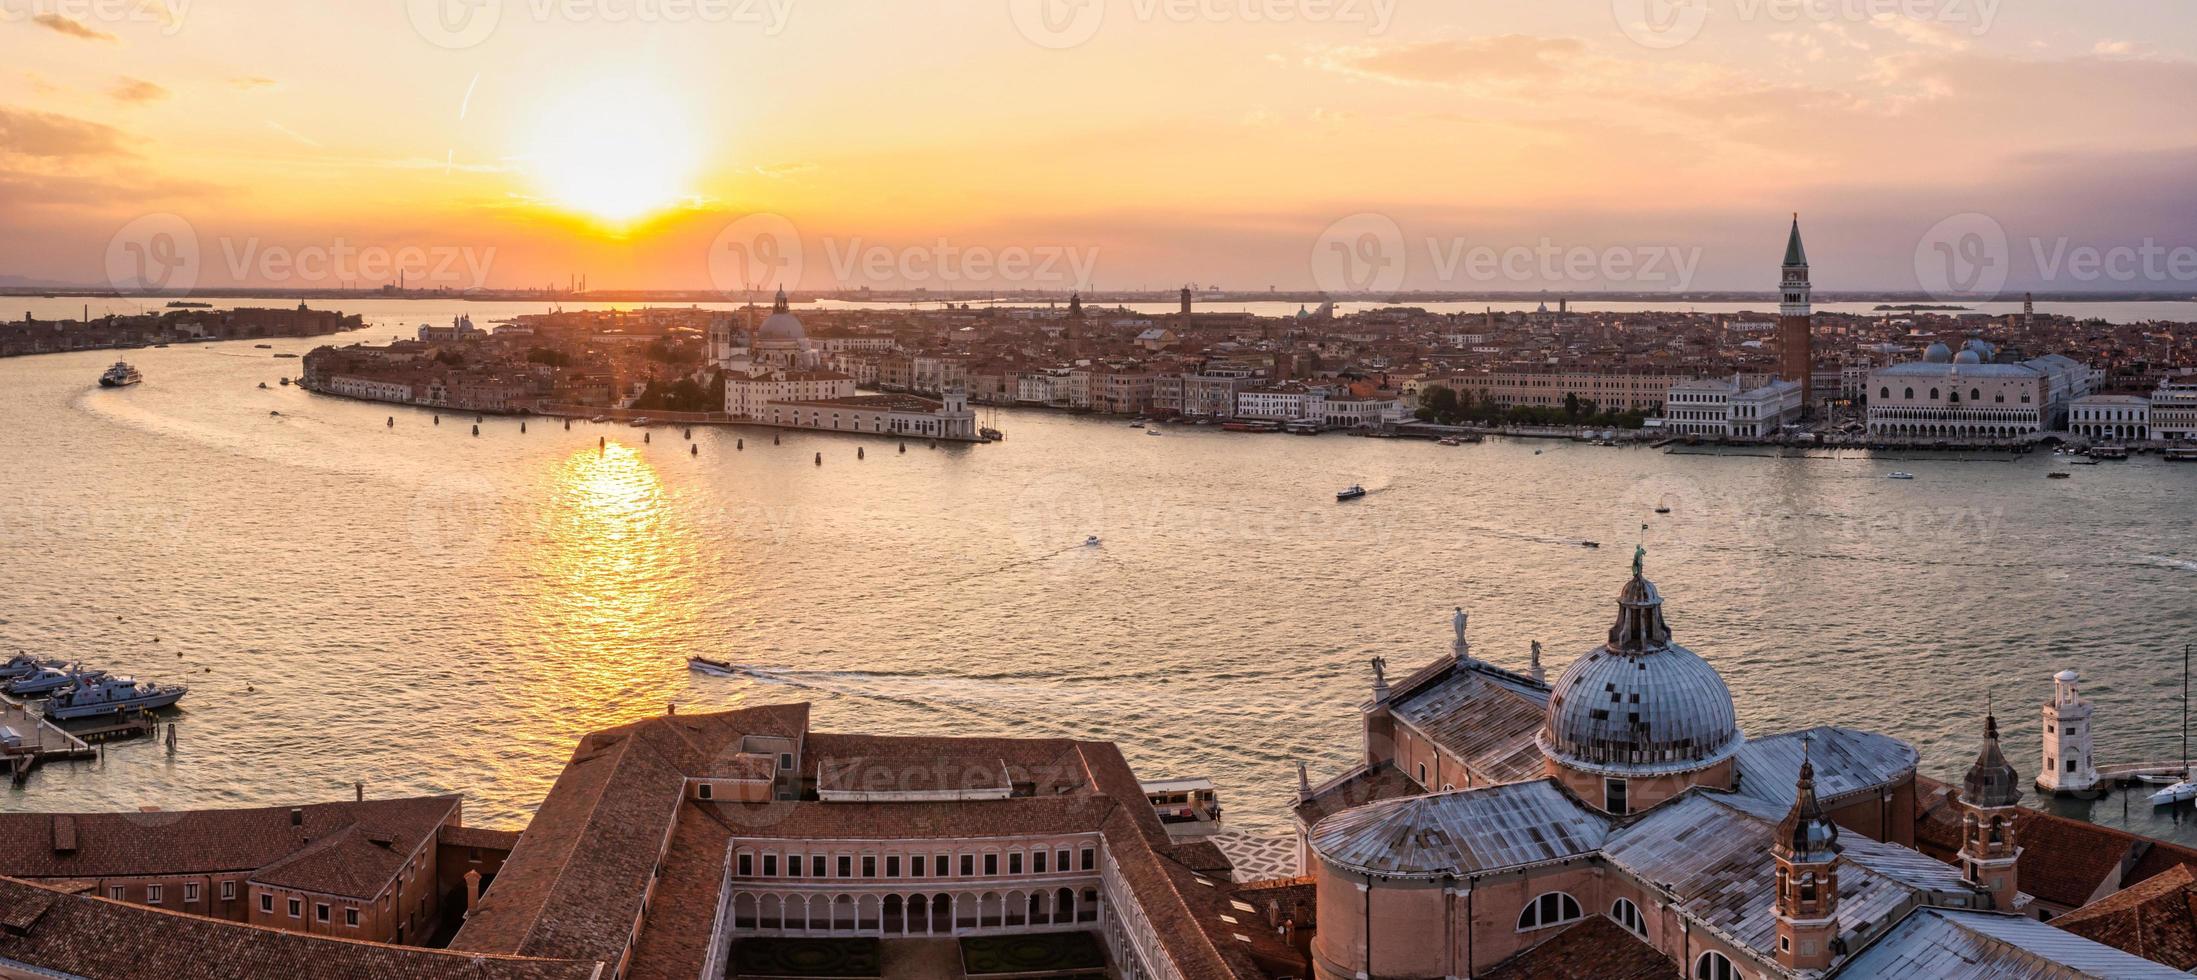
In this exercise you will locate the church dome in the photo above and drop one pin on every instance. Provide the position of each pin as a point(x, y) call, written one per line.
point(781, 328)
point(1640, 705)
point(1968, 357)
point(1938, 354)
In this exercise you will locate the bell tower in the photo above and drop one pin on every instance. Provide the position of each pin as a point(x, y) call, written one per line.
point(1988, 797)
point(1796, 322)
point(1807, 852)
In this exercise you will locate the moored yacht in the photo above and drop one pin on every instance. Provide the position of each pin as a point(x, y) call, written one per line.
point(23, 664)
point(112, 696)
point(46, 680)
point(121, 375)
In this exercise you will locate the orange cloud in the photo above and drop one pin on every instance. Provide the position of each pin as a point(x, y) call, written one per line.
point(72, 28)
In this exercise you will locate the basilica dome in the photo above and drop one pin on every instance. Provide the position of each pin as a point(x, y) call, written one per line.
point(1639, 705)
point(781, 328)
point(1938, 353)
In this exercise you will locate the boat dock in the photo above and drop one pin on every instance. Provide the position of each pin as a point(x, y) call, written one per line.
point(28, 740)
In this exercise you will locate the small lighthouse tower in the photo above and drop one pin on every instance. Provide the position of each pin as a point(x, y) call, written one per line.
point(2068, 768)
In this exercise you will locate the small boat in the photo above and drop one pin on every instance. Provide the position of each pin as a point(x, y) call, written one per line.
point(600, 418)
point(2062, 475)
point(263, 346)
point(1091, 542)
point(288, 355)
point(47, 680)
point(1900, 475)
point(23, 664)
point(638, 423)
point(285, 382)
point(274, 414)
point(2082, 461)
point(1662, 510)
point(2184, 790)
point(112, 696)
point(121, 375)
point(1138, 424)
point(1353, 493)
point(1152, 432)
point(714, 668)
point(2158, 778)
point(263, 386)
point(1590, 544)
point(1448, 441)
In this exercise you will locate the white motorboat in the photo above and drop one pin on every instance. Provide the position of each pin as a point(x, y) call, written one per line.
point(639, 423)
point(1900, 475)
point(121, 375)
point(714, 668)
point(1091, 542)
point(2187, 787)
point(46, 680)
point(112, 696)
point(1151, 432)
point(23, 664)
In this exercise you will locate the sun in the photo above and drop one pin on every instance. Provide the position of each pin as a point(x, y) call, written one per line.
point(617, 150)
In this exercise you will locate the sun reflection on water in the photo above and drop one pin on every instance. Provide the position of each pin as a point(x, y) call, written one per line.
point(621, 595)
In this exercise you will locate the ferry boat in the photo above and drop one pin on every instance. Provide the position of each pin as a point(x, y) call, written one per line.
point(714, 668)
point(112, 696)
point(2182, 454)
point(46, 680)
point(121, 375)
point(1900, 475)
point(2114, 453)
point(1353, 493)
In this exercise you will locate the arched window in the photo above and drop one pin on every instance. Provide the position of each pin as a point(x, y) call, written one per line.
point(1910, 394)
point(1975, 394)
point(1933, 394)
point(1713, 966)
point(1628, 915)
point(1551, 909)
point(1885, 393)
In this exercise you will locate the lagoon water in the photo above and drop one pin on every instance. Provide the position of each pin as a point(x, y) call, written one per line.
point(427, 611)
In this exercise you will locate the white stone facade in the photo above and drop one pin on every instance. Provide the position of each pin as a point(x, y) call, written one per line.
point(2068, 766)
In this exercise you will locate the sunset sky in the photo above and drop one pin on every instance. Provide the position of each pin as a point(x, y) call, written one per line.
point(1156, 143)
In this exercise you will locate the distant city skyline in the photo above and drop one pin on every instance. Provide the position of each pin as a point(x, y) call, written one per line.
point(978, 146)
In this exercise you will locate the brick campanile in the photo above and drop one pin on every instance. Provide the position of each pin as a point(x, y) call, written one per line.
point(1795, 326)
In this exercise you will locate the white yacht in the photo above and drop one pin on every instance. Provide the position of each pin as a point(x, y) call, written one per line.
point(23, 664)
point(46, 680)
point(121, 375)
point(112, 696)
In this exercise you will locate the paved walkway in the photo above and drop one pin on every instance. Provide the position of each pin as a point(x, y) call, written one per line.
point(923, 959)
point(1259, 858)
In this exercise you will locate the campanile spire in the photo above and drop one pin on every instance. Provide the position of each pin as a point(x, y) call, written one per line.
point(1796, 321)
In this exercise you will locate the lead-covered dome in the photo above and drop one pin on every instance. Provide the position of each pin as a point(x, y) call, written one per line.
point(1640, 705)
point(1938, 353)
point(781, 328)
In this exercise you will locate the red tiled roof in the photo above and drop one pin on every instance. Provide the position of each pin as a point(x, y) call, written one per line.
point(93, 937)
point(2155, 919)
point(1596, 949)
point(101, 845)
point(2063, 861)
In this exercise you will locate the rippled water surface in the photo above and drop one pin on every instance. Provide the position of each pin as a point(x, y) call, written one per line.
point(429, 611)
